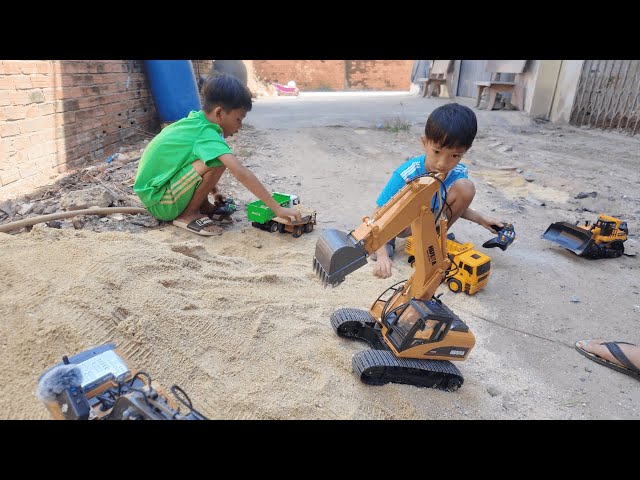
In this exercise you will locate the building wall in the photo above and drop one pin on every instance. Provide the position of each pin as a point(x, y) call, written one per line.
point(337, 75)
point(379, 74)
point(566, 88)
point(541, 87)
point(308, 74)
point(57, 114)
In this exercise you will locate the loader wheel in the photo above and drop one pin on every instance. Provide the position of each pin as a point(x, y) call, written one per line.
point(455, 285)
point(273, 227)
point(281, 227)
point(308, 228)
point(411, 260)
point(297, 231)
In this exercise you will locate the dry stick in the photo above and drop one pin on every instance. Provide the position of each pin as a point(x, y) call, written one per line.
point(7, 227)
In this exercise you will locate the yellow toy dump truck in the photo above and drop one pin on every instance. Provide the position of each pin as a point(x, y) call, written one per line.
point(603, 239)
point(264, 218)
point(469, 268)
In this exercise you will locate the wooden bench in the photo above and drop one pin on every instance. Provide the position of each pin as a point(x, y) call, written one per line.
point(438, 75)
point(493, 87)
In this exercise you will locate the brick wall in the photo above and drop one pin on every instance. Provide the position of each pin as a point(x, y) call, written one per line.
point(201, 68)
point(308, 74)
point(330, 74)
point(56, 114)
point(379, 74)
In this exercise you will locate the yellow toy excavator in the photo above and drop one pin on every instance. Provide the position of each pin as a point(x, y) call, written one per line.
point(412, 333)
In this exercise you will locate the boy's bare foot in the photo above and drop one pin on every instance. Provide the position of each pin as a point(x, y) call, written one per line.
point(612, 354)
point(198, 224)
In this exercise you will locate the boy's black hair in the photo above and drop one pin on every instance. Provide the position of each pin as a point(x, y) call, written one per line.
point(226, 91)
point(451, 126)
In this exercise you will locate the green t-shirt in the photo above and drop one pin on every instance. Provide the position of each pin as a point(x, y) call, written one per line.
point(181, 143)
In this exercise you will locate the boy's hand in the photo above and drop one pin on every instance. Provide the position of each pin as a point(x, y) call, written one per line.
point(290, 213)
point(382, 269)
point(489, 222)
point(218, 196)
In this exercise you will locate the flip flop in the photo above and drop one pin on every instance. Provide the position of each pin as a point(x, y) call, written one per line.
point(224, 219)
point(198, 226)
point(615, 350)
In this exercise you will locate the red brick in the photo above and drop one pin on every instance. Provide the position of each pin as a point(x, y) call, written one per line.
point(28, 126)
point(16, 112)
point(9, 129)
point(7, 177)
point(20, 142)
point(46, 66)
point(19, 97)
point(32, 111)
point(22, 82)
point(42, 81)
point(6, 148)
point(46, 108)
point(29, 67)
point(11, 66)
point(6, 82)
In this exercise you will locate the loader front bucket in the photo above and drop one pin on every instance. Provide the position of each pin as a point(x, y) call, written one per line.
point(337, 255)
point(569, 236)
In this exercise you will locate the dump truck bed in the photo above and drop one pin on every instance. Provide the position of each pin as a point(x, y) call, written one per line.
point(308, 215)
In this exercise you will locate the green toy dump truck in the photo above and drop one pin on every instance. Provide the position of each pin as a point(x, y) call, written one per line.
point(264, 218)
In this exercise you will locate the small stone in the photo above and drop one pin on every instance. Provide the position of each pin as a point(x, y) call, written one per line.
point(494, 392)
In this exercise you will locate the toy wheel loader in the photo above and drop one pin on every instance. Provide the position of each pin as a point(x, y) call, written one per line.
point(413, 335)
point(603, 239)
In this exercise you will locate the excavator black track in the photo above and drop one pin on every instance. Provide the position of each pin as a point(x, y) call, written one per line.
point(379, 365)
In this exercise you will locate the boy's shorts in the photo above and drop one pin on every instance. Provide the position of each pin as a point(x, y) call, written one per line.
point(177, 195)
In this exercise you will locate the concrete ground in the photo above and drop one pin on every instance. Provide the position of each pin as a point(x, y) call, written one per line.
point(541, 298)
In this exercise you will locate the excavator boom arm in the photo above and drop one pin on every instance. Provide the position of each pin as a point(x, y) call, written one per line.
point(338, 254)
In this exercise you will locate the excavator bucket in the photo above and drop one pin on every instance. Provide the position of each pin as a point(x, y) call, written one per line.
point(337, 255)
point(571, 237)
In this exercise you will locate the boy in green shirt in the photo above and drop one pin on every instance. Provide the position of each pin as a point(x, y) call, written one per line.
point(184, 162)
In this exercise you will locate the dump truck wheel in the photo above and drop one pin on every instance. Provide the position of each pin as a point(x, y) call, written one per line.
point(455, 285)
point(411, 259)
point(281, 227)
point(297, 231)
point(308, 227)
point(273, 227)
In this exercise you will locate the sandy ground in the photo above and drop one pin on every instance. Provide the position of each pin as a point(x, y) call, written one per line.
point(242, 325)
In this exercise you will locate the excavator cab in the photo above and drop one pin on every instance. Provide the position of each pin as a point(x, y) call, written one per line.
point(415, 323)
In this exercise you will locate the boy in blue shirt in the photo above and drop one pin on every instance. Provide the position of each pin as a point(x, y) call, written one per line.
point(448, 134)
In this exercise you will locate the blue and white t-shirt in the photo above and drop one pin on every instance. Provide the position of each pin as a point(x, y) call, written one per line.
point(411, 169)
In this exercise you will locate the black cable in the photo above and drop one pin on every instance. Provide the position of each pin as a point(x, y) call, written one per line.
point(443, 190)
point(133, 379)
point(448, 274)
point(174, 390)
point(188, 400)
